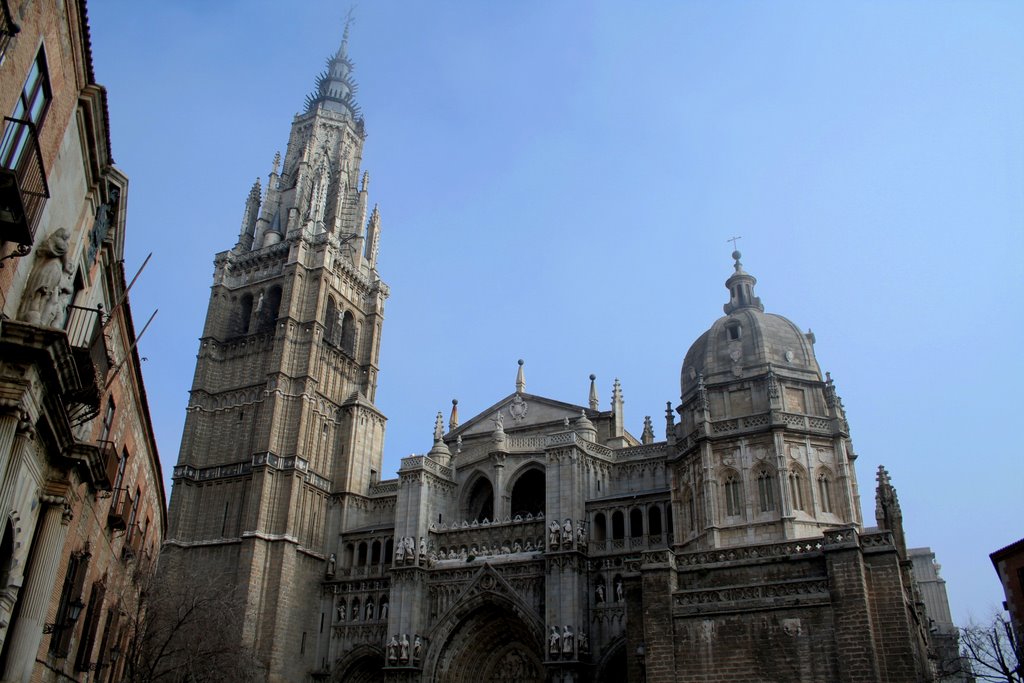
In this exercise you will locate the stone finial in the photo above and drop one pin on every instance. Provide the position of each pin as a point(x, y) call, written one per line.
point(648, 434)
point(365, 187)
point(276, 164)
point(453, 419)
point(702, 393)
point(594, 403)
point(439, 427)
point(520, 378)
point(888, 514)
point(670, 423)
point(773, 384)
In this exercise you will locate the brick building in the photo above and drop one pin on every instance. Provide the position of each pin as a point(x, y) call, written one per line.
point(81, 493)
point(1009, 564)
point(539, 540)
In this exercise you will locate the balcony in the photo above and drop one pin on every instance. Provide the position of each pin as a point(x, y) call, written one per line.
point(23, 188)
point(8, 29)
point(120, 509)
point(84, 327)
point(97, 463)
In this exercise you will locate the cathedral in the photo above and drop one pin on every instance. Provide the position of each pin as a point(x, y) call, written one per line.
point(538, 540)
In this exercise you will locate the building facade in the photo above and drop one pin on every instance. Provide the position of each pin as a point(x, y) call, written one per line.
point(81, 490)
point(539, 540)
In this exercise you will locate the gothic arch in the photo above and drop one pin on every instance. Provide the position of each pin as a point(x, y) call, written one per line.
point(478, 498)
point(361, 664)
point(611, 668)
point(478, 639)
point(528, 489)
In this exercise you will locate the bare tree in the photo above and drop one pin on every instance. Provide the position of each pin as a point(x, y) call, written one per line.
point(991, 651)
point(186, 632)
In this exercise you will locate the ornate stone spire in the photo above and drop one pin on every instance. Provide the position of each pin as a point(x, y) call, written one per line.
point(520, 378)
point(453, 419)
point(335, 89)
point(440, 451)
point(594, 403)
point(648, 434)
point(888, 514)
point(249, 216)
point(741, 288)
point(670, 423)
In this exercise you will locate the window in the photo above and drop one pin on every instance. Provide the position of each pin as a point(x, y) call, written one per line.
point(119, 479)
point(74, 579)
point(636, 523)
point(732, 496)
point(600, 532)
point(766, 491)
point(734, 330)
point(691, 516)
point(108, 419)
point(32, 106)
point(134, 514)
point(825, 491)
point(92, 621)
point(796, 490)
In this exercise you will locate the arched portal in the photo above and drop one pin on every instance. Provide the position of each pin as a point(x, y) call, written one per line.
point(361, 665)
point(612, 666)
point(487, 642)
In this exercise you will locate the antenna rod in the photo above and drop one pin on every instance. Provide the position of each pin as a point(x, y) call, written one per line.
point(129, 287)
point(130, 348)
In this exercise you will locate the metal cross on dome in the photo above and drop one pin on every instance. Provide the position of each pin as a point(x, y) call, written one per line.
point(734, 239)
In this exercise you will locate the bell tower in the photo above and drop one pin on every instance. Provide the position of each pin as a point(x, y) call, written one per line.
point(281, 428)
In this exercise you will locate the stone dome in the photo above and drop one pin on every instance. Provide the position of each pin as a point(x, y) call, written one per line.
point(746, 340)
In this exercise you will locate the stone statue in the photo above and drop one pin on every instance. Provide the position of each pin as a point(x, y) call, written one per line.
point(554, 640)
point(355, 610)
point(619, 595)
point(584, 643)
point(399, 551)
point(567, 532)
point(599, 593)
point(410, 550)
point(499, 422)
point(384, 610)
point(553, 530)
point(393, 650)
point(581, 536)
point(567, 640)
point(403, 649)
point(417, 648)
point(47, 289)
point(517, 547)
point(342, 610)
point(423, 549)
point(369, 610)
point(332, 560)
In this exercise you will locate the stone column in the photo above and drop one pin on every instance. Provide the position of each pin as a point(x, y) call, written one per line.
point(8, 483)
point(28, 629)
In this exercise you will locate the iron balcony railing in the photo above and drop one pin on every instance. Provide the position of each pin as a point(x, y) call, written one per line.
point(84, 327)
point(23, 188)
point(8, 29)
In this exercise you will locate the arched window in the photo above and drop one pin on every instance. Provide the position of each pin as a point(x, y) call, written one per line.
point(268, 309)
point(480, 501)
point(529, 493)
point(331, 322)
point(825, 492)
point(244, 314)
point(636, 523)
point(347, 555)
point(796, 488)
point(389, 549)
point(600, 532)
point(361, 561)
point(733, 495)
point(654, 520)
point(766, 490)
point(618, 525)
point(375, 553)
point(348, 333)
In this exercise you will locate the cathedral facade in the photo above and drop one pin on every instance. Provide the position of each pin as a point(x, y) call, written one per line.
point(538, 540)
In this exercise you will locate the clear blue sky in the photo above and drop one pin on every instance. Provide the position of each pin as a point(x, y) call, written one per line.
point(557, 182)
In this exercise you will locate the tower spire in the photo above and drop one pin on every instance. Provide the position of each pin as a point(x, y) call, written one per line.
point(335, 88)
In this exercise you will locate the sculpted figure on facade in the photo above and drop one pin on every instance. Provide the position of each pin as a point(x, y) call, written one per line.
point(554, 641)
point(599, 593)
point(619, 593)
point(332, 561)
point(410, 550)
point(568, 641)
point(399, 550)
point(417, 648)
point(567, 532)
point(553, 534)
point(403, 649)
point(393, 650)
point(47, 289)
